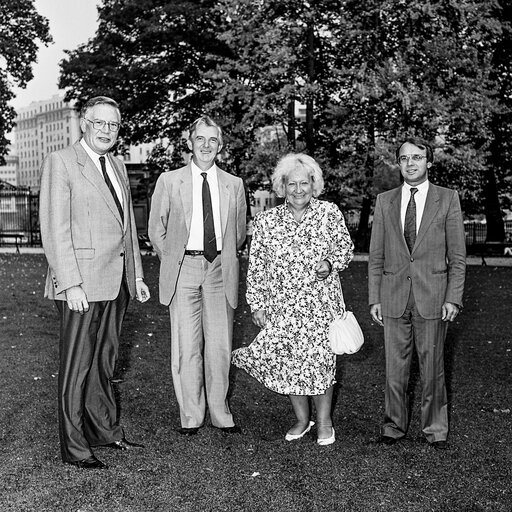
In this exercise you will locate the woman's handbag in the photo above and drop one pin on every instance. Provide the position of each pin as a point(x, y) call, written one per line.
point(345, 334)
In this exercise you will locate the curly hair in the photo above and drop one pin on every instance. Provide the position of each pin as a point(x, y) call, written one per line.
point(289, 163)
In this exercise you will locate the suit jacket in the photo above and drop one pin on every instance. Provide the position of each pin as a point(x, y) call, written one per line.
point(84, 238)
point(169, 227)
point(436, 267)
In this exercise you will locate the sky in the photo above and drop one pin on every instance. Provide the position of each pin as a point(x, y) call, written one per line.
point(72, 22)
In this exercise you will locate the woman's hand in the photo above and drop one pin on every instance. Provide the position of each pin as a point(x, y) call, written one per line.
point(259, 318)
point(323, 269)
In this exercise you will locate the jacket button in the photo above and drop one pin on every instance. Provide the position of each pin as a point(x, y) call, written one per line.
point(412, 259)
point(122, 254)
point(408, 278)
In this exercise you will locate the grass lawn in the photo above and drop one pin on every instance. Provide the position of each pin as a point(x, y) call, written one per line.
point(257, 471)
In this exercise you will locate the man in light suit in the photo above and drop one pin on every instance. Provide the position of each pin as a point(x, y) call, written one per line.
point(90, 241)
point(196, 225)
point(416, 275)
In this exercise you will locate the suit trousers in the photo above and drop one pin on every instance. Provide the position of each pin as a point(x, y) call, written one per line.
point(201, 339)
point(428, 336)
point(89, 346)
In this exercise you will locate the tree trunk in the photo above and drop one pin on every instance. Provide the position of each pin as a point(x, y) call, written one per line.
point(493, 215)
point(291, 124)
point(362, 239)
point(310, 123)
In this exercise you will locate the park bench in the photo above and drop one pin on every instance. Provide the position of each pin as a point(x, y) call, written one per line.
point(12, 237)
point(484, 249)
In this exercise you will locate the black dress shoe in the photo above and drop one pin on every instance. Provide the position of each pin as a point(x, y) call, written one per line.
point(439, 445)
point(388, 440)
point(184, 431)
point(90, 463)
point(123, 444)
point(235, 429)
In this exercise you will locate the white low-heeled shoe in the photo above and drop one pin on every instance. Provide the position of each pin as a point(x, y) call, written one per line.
point(329, 440)
point(293, 437)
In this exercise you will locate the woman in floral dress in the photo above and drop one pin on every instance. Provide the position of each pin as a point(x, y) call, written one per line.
point(294, 291)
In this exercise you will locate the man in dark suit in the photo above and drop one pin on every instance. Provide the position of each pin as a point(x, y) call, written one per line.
point(416, 275)
point(196, 225)
point(90, 241)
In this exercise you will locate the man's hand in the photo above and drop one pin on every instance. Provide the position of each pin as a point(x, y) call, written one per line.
point(322, 269)
point(450, 311)
point(376, 314)
point(77, 300)
point(259, 318)
point(142, 291)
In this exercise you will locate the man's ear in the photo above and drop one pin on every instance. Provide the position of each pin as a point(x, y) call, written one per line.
point(189, 144)
point(429, 165)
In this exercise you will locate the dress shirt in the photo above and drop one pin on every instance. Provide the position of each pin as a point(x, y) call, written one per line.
point(195, 239)
point(111, 173)
point(420, 198)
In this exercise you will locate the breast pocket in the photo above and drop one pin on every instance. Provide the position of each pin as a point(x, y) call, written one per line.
point(84, 253)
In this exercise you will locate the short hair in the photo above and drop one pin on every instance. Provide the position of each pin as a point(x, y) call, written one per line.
point(289, 163)
point(207, 121)
point(99, 100)
point(421, 143)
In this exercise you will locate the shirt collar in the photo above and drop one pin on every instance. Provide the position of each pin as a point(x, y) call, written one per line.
point(422, 188)
point(197, 170)
point(92, 154)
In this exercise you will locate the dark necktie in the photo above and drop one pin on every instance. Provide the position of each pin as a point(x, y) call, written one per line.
point(110, 186)
point(410, 221)
point(209, 241)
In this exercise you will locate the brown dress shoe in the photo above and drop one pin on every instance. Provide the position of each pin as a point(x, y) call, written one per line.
point(184, 431)
point(439, 445)
point(90, 463)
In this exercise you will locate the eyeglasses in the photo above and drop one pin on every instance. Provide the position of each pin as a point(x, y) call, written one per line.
point(402, 159)
point(98, 124)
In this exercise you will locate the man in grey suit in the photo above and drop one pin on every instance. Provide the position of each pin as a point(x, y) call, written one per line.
point(416, 275)
point(90, 241)
point(196, 225)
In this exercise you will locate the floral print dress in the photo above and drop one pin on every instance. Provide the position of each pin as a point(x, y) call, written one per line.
point(291, 355)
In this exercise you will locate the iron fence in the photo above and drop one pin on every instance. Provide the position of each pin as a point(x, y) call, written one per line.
point(19, 220)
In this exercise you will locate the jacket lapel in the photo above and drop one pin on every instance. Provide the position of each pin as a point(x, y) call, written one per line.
point(122, 185)
point(430, 211)
point(186, 196)
point(395, 204)
point(91, 174)
point(224, 194)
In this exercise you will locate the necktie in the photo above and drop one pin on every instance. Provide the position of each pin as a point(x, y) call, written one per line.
point(110, 186)
point(410, 221)
point(209, 241)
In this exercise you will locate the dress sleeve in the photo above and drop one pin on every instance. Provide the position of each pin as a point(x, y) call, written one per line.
point(257, 271)
point(341, 247)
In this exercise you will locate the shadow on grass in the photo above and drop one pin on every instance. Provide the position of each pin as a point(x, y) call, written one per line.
point(257, 471)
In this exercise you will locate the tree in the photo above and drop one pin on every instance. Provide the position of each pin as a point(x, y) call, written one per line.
point(368, 73)
point(150, 55)
point(21, 27)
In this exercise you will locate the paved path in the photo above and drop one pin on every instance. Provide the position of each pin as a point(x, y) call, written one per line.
point(491, 261)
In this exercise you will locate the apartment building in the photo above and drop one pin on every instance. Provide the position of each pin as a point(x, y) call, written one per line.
point(49, 125)
point(42, 127)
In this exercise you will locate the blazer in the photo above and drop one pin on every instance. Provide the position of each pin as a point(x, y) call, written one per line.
point(437, 265)
point(84, 238)
point(169, 228)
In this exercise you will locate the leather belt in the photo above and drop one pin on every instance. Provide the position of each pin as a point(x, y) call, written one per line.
point(196, 253)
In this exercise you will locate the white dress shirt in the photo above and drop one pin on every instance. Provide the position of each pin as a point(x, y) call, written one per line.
point(111, 173)
point(420, 198)
point(195, 239)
